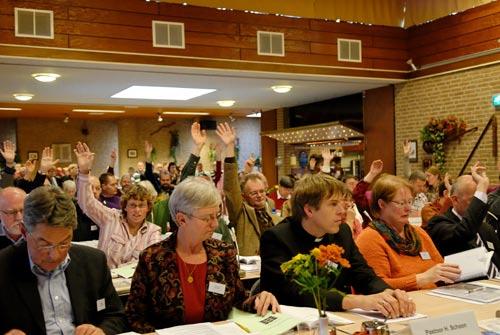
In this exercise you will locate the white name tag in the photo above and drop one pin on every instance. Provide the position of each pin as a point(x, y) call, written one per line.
point(463, 323)
point(93, 227)
point(101, 304)
point(217, 288)
point(425, 255)
point(490, 245)
point(217, 236)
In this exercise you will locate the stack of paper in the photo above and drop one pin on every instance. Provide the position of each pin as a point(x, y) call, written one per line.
point(279, 323)
point(482, 293)
point(207, 328)
point(474, 263)
point(250, 264)
point(126, 271)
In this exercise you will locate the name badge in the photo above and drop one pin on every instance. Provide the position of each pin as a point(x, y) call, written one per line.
point(490, 245)
point(93, 227)
point(101, 304)
point(217, 288)
point(217, 236)
point(425, 255)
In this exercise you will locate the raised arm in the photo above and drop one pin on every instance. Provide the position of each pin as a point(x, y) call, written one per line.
point(96, 211)
point(199, 138)
point(148, 173)
point(112, 162)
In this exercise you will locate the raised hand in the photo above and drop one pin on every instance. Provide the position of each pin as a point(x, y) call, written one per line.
point(375, 169)
point(8, 152)
point(148, 149)
point(406, 148)
point(84, 157)
point(480, 177)
point(47, 161)
point(112, 158)
point(226, 133)
point(199, 136)
point(327, 155)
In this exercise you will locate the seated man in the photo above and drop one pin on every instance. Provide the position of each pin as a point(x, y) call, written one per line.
point(318, 215)
point(54, 286)
point(283, 192)
point(11, 215)
point(462, 227)
point(418, 181)
point(110, 196)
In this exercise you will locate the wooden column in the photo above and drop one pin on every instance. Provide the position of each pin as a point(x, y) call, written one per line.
point(269, 147)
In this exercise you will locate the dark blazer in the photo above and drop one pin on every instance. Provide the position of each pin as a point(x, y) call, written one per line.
point(156, 300)
point(452, 235)
point(282, 242)
point(4, 242)
point(88, 280)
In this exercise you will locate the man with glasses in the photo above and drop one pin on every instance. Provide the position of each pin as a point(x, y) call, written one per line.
point(11, 215)
point(50, 286)
point(246, 201)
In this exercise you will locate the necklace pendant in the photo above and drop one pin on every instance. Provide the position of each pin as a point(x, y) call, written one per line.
point(190, 279)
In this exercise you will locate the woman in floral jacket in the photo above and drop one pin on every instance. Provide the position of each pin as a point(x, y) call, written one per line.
point(190, 277)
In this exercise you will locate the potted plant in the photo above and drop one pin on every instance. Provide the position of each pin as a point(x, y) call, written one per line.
point(437, 132)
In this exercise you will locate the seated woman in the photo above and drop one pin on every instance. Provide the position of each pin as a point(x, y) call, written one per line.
point(402, 255)
point(190, 277)
point(123, 233)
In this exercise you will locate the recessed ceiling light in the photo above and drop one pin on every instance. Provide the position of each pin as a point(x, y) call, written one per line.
point(226, 103)
point(23, 96)
point(254, 115)
point(97, 111)
point(185, 113)
point(45, 77)
point(9, 109)
point(161, 93)
point(281, 88)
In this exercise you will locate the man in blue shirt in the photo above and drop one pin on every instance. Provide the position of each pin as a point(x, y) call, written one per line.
point(51, 286)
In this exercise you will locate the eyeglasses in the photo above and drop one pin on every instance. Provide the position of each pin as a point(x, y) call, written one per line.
point(256, 193)
point(208, 218)
point(13, 212)
point(46, 247)
point(401, 204)
point(134, 206)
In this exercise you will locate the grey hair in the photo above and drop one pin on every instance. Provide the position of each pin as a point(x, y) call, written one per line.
point(460, 184)
point(417, 175)
point(69, 185)
point(148, 186)
point(191, 194)
point(51, 206)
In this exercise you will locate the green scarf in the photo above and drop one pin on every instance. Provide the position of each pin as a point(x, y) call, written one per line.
point(409, 245)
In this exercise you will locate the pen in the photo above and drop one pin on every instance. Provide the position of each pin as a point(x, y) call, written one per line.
point(480, 288)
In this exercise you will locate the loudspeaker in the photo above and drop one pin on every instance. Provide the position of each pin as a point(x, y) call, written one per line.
point(208, 124)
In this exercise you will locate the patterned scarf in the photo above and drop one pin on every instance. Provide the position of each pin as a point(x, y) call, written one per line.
point(409, 245)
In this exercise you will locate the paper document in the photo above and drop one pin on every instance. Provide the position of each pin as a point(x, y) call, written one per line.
point(250, 263)
point(470, 291)
point(270, 324)
point(205, 328)
point(376, 315)
point(310, 315)
point(492, 325)
point(126, 271)
point(474, 263)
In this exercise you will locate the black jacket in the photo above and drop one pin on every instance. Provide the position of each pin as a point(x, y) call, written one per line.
point(282, 242)
point(88, 280)
point(452, 235)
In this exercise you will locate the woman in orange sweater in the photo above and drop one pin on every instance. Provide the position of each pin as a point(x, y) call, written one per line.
point(404, 256)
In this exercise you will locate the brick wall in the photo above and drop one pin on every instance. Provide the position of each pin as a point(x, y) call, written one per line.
point(465, 94)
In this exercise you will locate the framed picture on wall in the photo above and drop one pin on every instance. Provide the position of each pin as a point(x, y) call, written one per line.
point(32, 155)
point(132, 153)
point(413, 151)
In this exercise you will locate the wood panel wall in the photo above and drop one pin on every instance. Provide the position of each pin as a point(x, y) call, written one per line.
point(125, 26)
point(268, 121)
point(378, 124)
point(475, 30)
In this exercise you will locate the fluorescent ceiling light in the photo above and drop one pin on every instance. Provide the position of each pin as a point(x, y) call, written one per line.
point(97, 111)
point(9, 109)
point(23, 96)
point(161, 93)
point(45, 77)
point(281, 88)
point(254, 115)
point(226, 103)
point(185, 113)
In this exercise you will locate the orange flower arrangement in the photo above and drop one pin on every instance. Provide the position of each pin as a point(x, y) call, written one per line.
point(316, 273)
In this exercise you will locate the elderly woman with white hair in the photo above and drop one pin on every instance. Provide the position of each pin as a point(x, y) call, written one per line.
point(190, 277)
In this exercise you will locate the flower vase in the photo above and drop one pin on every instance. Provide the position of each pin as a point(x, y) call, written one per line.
point(323, 326)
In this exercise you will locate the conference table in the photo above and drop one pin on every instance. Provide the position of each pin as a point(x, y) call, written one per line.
point(431, 306)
